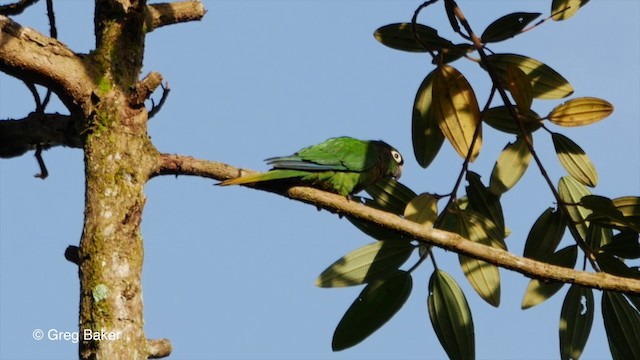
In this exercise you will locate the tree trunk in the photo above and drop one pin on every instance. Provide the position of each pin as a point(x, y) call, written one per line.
point(118, 158)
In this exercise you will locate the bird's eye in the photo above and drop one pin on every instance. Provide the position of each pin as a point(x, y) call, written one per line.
point(396, 156)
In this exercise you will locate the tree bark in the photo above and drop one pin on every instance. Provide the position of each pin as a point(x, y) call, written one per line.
point(108, 120)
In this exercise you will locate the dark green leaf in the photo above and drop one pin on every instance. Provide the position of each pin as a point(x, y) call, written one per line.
point(612, 265)
point(375, 305)
point(622, 212)
point(370, 262)
point(374, 230)
point(450, 316)
point(500, 119)
point(624, 244)
point(576, 319)
point(507, 26)
point(571, 192)
point(483, 201)
point(545, 235)
point(598, 236)
point(546, 83)
point(539, 291)
point(391, 195)
point(519, 86)
point(400, 36)
point(426, 135)
point(622, 324)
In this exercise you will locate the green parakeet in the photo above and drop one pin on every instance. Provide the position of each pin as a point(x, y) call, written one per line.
point(342, 165)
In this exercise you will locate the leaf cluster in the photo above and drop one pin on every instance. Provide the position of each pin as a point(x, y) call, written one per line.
point(604, 230)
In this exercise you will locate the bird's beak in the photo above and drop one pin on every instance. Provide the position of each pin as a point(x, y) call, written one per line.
point(398, 173)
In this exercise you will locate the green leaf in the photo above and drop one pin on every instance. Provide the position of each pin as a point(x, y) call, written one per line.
point(580, 112)
point(622, 212)
point(519, 86)
point(624, 244)
point(423, 209)
point(450, 316)
point(400, 36)
point(457, 111)
point(426, 135)
point(629, 206)
point(571, 192)
point(391, 195)
point(510, 166)
point(375, 305)
point(372, 229)
point(370, 262)
point(539, 291)
point(546, 83)
point(545, 235)
point(612, 265)
point(500, 119)
point(598, 236)
point(484, 202)
point(576, 319)
point(483, 276)
point(564, 9)
point(507, 26)
point(574, 160)
point(622, 324)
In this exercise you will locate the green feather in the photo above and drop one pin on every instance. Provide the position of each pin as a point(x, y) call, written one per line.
point(342, 165)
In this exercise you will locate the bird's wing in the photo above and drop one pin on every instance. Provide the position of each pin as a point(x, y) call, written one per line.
point(336, 154)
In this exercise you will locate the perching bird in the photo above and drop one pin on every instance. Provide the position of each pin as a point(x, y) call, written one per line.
point(342, 165)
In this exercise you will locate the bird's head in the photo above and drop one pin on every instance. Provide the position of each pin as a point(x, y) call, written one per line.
point(396, 167)
point(391, 159)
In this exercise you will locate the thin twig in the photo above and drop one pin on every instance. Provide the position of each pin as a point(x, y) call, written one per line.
point(52, 20)
point(43, 168)
point(156, 108)
point(36, 96)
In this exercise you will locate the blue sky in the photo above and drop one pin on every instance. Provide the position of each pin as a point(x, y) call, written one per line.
point(229, 272)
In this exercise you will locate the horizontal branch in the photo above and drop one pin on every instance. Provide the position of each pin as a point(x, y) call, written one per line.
point(16, 8)
point(163, 14)
point(20, 136)
point(31, 56)
point(180, 165)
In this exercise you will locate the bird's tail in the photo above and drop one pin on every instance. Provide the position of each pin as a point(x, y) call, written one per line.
point(267, 176)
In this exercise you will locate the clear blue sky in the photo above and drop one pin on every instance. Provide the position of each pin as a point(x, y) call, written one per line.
point(229, 272)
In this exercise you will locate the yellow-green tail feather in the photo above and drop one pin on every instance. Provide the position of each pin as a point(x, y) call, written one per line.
point(268, 176)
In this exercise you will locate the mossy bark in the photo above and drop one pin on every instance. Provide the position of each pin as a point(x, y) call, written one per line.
point(118, 157)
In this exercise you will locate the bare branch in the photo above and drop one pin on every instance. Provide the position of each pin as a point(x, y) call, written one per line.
point(163, 14)
point(182, 165)
point(20, 136)
point(159, 348)
point(71, 254)
point(144, 88)
point(16, 8)
point(33, 57)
